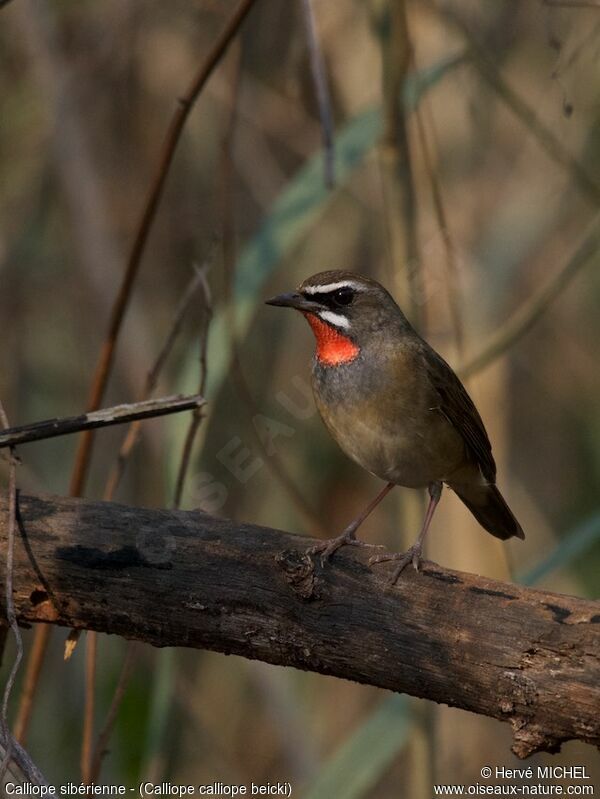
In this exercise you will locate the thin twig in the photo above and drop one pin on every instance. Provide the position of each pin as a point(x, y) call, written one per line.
point(196, 284)
point(185, 105)
point(197, 414)
point(151, 382)
point(87, 743)
point(319, 73)
point(186, 454)
point(41, 639)
point(452, 273)
point(530, 312)
point(100, 749)
point(10, 608)
point(119, 414)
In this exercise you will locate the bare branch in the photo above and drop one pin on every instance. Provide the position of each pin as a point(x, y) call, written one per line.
point(119, 414)
point(524, 656)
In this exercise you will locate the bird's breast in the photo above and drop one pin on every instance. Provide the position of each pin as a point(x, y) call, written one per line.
point(382, 415)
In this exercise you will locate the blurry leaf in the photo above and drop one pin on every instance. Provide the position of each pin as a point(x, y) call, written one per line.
point(572, 545)
point(298, 206)
point(361, 760)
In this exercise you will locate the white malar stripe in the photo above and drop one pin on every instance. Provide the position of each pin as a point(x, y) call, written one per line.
point(334, 319)
point(342, 284)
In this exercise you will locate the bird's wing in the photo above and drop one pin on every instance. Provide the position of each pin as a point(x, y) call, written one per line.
point(458, 407)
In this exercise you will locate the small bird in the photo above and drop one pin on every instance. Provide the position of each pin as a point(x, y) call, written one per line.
point(395, 407)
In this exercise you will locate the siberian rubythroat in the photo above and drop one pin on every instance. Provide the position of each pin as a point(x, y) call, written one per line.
point(395, 406)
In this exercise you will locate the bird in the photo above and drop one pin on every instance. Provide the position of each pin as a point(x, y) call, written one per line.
point(395, 407)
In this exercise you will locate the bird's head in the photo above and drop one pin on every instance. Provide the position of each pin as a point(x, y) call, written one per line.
point(345, 310)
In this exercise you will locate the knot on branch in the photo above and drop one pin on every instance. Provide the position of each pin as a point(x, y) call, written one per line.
point(299, 573)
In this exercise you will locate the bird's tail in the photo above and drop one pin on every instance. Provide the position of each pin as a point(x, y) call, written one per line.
point(487, 505)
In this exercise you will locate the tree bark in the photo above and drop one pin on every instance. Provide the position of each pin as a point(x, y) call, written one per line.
point(174, 578)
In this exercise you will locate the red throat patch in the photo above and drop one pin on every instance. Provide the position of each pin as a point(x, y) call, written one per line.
point(333, 348)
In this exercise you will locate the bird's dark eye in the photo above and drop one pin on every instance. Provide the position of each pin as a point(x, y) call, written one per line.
point(343, 296)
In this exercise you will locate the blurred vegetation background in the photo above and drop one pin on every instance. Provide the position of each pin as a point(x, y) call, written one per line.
point(465, 199)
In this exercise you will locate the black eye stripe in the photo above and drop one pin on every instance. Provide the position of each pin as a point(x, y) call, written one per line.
point(332, 299)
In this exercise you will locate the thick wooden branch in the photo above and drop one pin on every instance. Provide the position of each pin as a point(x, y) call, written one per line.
point(118, 414)
point(187, 579)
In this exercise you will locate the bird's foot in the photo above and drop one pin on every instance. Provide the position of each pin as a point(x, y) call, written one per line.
point(327, 548)
point(412, 555)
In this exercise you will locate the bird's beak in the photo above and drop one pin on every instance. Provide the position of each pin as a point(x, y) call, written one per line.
point(294, 300)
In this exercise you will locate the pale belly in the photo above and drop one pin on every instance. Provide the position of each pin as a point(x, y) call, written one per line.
point(412, 446)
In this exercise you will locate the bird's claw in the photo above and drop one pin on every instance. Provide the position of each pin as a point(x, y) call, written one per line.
point(412, 555)
point(329, 547)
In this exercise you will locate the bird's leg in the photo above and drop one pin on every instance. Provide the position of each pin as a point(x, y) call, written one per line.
point(327, 548)
point(414, 553)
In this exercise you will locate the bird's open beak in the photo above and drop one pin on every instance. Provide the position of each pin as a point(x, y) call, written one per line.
point(294, 300)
